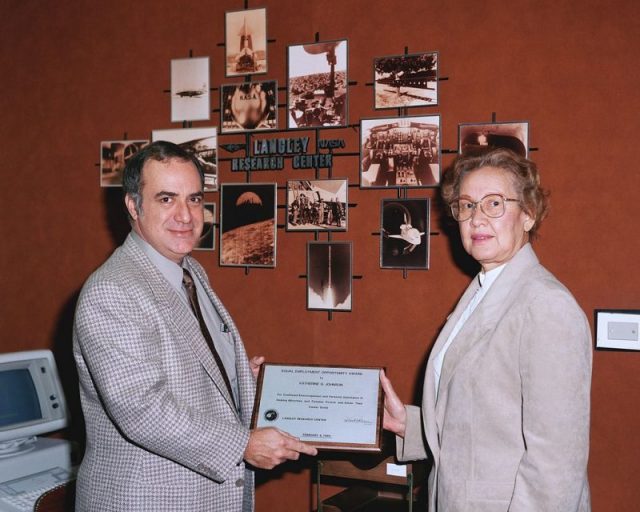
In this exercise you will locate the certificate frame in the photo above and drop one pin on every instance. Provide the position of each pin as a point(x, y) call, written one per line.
point(320, 405)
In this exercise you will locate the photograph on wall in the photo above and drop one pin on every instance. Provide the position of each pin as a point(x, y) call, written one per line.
point(400, 152)
point(317, 85)
point(245, 42)
point(207, 240)
point(317, 205)
point(203, 143)
point(190, 99)
point(405, 80)
point(114, 155)
point(248, 224)
point(478, 138)
point(404, 233)
point(329, 276)
point(249, 106)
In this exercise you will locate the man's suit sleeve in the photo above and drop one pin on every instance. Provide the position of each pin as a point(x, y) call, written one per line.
point(555, 365)
point(122, 352)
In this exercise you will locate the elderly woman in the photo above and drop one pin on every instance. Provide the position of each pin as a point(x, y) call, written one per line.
point(505, 411)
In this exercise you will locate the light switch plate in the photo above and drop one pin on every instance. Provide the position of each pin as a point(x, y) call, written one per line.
point(617, 329)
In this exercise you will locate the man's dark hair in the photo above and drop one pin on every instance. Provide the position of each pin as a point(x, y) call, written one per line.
point(160, 151)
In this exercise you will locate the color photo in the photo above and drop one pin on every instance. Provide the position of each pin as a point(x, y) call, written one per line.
point(248, 224)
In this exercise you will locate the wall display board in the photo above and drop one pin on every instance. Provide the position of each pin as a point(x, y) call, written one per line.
point(246, 42)
point(203, 143)
point(329, 276)
point(207, 240)
point(248, 224)
point(404, 233)
point(190, 99)
point(317, 205)
point(317, 84)
point(405, 80)
point(114, 155)
point(249, 106)
point(400, 152)
point(476, 138)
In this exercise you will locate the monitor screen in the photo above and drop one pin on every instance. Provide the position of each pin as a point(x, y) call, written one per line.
point(31, 397)
point(18, 398)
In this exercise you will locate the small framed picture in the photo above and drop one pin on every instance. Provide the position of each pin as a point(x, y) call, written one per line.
point(317, 205)
point(400, 152)
point(207, 240)
point(249, 106)
point(245, 42)
point(190, 99)
point(329, 276)
point(203, 143)
point(404, 233)
point(248, 224)
point(317, 85)
point(114, 155)
point(405, 80)
point(477, 138)
point(617, 329)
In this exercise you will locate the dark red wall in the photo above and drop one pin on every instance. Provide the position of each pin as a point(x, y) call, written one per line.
point(78, 72)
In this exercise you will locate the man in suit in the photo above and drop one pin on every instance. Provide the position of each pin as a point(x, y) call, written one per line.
point(167, 390)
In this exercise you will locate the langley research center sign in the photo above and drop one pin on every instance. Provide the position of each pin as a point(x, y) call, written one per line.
point(269, 155)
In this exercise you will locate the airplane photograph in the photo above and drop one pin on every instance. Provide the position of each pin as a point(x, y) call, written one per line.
point(406, 80)
point(190, 98)
point(203, 143)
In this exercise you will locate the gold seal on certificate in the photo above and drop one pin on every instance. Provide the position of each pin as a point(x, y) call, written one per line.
point(329, 407)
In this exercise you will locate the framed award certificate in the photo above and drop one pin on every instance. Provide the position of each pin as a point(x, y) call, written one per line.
point(329, 407)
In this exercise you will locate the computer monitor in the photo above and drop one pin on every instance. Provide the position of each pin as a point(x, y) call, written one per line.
point(31, 398)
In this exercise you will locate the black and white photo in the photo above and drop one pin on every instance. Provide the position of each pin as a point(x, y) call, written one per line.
point(329, 276)
point(477, 138)
point(249, 106)
point(248, 224)
point(317, 205)
point(404, 233)
point(317, 85)
point(246, 42)
point(190, 98)
point(203, 143)
point(405, 80)
point(114, 155)
point(400, 152)
point(207, 240)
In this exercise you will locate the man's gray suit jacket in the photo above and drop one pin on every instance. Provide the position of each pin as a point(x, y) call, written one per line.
point(163, 434)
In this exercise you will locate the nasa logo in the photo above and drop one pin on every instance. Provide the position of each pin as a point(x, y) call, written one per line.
point(271, 415)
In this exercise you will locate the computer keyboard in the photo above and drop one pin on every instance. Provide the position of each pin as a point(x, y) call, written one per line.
point(20, 495)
